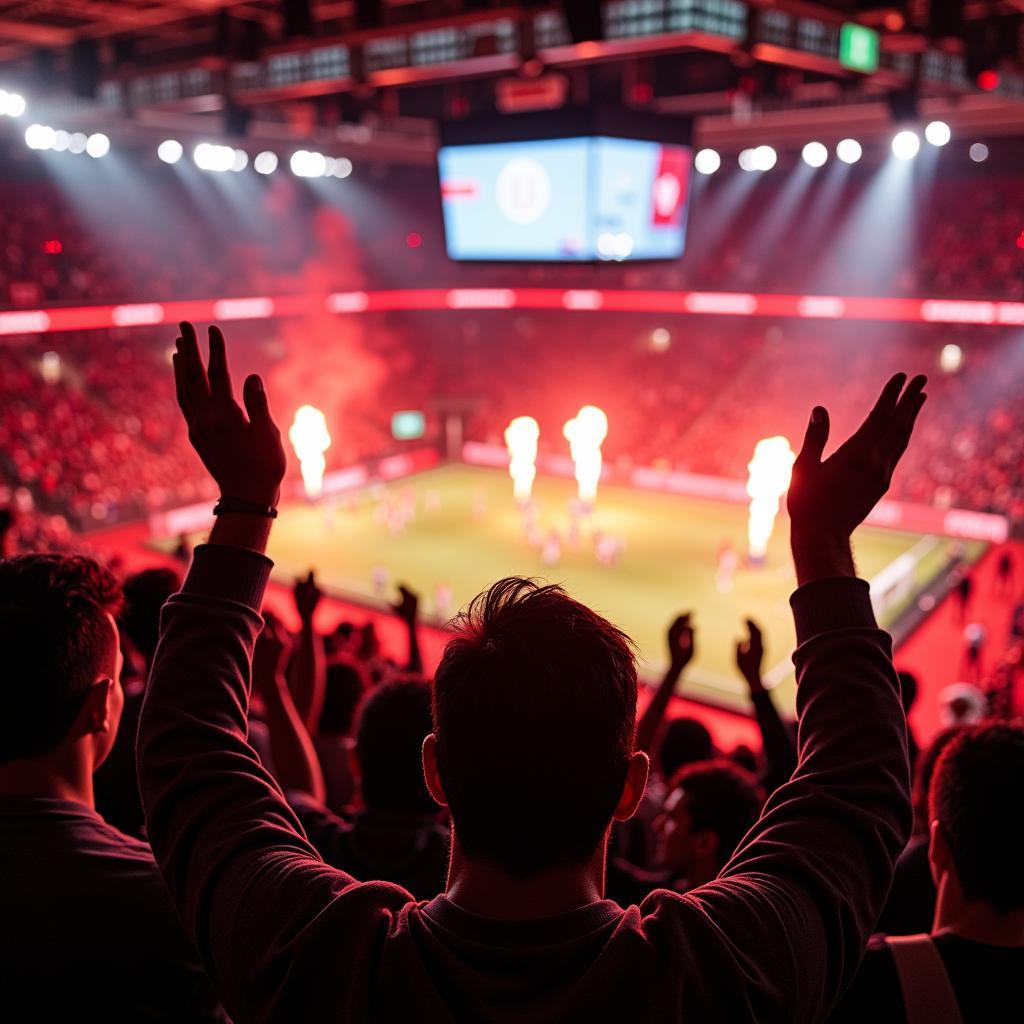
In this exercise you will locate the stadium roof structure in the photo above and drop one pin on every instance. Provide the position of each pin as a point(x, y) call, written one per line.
point(382, 73)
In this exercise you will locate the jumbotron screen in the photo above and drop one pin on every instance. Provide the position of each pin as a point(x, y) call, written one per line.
point(577, 199)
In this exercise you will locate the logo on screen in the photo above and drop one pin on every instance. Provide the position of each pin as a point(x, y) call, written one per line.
point(523, 190)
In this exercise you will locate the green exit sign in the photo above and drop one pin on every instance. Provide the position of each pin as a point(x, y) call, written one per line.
point(858, 48)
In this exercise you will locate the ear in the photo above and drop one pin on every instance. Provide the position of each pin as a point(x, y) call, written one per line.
point(940, 858)
point(95, 716)
point(431, 775)
point(633, 790)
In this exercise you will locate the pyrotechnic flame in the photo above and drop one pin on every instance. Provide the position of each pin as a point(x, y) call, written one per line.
point(521, 437)
point(585, 434)
point(771, 469)
point(310, 439)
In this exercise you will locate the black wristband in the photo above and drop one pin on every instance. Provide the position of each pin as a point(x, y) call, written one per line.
point(240, 505)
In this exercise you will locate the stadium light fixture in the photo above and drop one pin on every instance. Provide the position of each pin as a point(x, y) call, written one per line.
point(240, 160)
point(978, 152)
point(210, 157)
point(906, 145)
point(39, 136)
point(342, 167)
point(97, 145)
point(305, 164)
point(77, 142)
point(849, 151)
point(937, 133)
point(747, 160)
point(707, 161)
point(765, 158)
point(951, 358)
point(814, 154)
point(12, 104)
point(170, 151)
point(61, 141)
point(265, 162)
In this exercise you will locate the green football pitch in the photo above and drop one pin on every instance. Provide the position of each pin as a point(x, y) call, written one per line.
point(466, 531)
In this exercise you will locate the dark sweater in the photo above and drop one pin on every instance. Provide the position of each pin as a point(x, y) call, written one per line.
point(87, 929)
point(286, 937)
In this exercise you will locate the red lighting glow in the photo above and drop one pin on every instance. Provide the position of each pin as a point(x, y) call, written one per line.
point(53, 247)
point(414, 240)
point(988, 80)
point(1020, 240)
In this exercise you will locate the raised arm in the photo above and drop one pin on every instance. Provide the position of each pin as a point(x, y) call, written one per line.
point(407, 609)
point(308, 675)
point(800, 897)
point(296, 765)
point(233, 855)
point(776, 739)
point(680, 652)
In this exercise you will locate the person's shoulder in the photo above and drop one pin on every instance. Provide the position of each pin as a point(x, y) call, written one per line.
point(875, 994)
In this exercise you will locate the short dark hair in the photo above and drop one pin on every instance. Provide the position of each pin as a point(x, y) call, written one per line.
point(720, 797)
point(534, 713)
point(55, 638)
point(908, 688)
point(686, 741)
point(393, 722)
point(923, 772)
point(977, 795)
point(344, 688)
point(145, 593)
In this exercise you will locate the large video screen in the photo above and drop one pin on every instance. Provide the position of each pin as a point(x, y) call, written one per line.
point(591, 198)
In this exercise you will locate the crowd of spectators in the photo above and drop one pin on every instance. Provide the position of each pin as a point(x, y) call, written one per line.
point(336, 833)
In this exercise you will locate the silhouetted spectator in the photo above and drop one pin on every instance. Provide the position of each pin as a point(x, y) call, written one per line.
point(89, 932)
point(969, 968)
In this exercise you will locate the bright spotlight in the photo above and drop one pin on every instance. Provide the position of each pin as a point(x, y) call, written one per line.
point(905, 145)
point(978, 152)
point(849, 151)
point(765, 158)
point(938, 133)
point(170, 151)
point(606, 245)
point(342, 167)
point(951, 358)
point(747, 160)
point(660, 339)
point(39, 136)
point(707, 161)
point(623, 245)
point(97, 145)
point(61, 141)
point(814, 154)
point(15, 104)
point(240, 160)
point(209, 157)
point(265, 163)
point(305, 164)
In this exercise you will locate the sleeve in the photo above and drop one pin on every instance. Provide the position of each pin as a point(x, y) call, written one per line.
point(794, 907)
point(254, 895)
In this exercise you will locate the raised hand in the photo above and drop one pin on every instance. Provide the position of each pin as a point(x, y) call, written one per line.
point(307, 596)
point(270, 656)
point(407, 607)
point(680, 643)
point(828, 500)
point(750, 656)
point(241, 448)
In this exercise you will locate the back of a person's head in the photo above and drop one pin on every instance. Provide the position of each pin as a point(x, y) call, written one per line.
point(686, 741)
point(393, 722)
point(145, 593)
point(344, 689)
point(534, 714)
point(55, 638)
point(977, 797)
point(722, 798)
point(908, 689)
